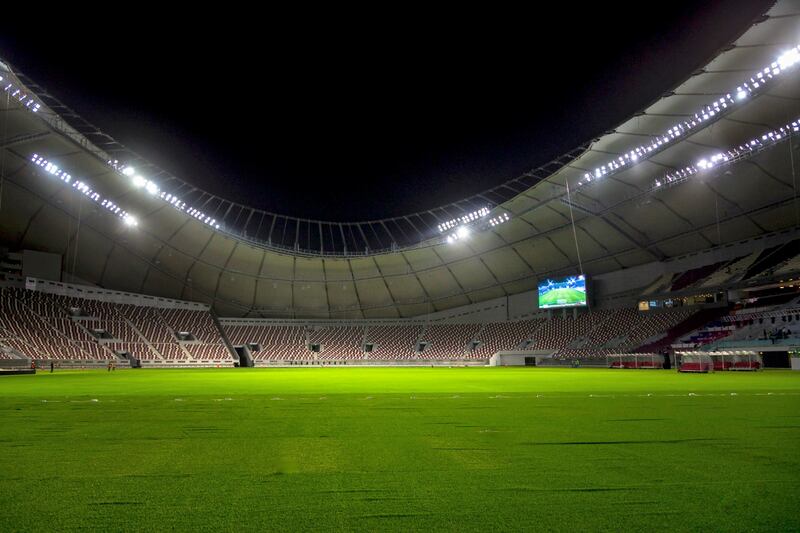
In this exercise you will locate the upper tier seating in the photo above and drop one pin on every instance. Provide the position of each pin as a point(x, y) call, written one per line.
point(30, 334)
point(198, 323)
point(149, 323)
point(46, 326)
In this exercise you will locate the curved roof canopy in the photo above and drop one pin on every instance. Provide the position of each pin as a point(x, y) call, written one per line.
point(680, 176)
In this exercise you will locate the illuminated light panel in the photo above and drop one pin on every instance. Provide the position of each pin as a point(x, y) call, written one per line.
point(499, 219)
point(745, 149)
point(83, 188)
point(139, 182)
point(202, 217)
point(21, 96)
point(466, 219)
point(461, 233)
point(749, 87)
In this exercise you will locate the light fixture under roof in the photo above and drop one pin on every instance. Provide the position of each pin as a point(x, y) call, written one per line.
point(733, 154)
point(499, 219)
point(84, 188)
point(711, 111)
point(20, 95)
point(139, 182)
point(464, 219)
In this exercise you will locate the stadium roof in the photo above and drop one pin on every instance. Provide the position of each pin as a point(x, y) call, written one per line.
point(694, 182)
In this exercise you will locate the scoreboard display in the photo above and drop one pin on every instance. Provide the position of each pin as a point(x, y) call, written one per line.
point(565, 292)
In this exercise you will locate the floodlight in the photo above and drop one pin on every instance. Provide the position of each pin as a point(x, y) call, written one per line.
point(788, 59)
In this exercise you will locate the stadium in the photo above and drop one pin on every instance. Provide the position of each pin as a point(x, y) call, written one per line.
point(609, 341)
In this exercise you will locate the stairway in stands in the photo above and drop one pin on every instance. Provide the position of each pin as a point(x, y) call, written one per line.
point(248, 362)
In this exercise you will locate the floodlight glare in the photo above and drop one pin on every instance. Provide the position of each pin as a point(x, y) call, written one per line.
point(732, 154)
point(465, 219)
point(462, 232)
point(153, 189)
point(788, 59)
point(83, 188)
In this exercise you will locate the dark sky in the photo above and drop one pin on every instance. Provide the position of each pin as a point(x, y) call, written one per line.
point(358, 114)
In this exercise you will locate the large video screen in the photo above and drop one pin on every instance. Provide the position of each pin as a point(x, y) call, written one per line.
point(566, 292)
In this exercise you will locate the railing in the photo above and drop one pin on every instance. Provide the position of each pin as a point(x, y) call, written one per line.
point(751, 343)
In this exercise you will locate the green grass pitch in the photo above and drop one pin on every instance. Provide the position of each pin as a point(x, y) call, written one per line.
point(562, 297)
point(394, 449)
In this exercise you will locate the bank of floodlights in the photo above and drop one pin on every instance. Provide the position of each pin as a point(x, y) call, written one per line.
point(84, 188)
point(140, 182)
point(731, 155)
point(19, 94)
point(709, 112)
point(462, 227)
point(469, 218)
point(499, 219)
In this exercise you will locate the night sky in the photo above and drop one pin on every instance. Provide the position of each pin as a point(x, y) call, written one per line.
point(349, 114)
